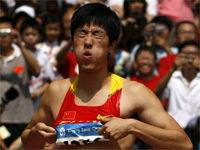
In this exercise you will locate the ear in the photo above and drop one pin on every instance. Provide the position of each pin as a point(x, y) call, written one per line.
point(112, 47)
point(135, 66)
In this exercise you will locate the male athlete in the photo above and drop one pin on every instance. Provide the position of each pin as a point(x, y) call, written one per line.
point(95, 109)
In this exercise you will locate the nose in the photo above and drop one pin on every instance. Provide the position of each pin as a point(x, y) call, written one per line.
point(88, 41)
point(144, 61)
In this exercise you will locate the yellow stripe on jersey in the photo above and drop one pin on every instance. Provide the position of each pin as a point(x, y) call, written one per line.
point(116, 84)
point(74, 84)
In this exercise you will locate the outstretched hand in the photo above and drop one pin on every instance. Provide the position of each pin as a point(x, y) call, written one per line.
point(115, 128)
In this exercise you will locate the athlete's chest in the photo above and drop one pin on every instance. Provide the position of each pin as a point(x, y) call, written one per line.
point(70, 112)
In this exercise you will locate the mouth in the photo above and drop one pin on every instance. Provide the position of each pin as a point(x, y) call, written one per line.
point(87, 55)
point(145, 67)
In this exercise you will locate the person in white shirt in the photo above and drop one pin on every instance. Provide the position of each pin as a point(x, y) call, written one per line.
point(180, 86)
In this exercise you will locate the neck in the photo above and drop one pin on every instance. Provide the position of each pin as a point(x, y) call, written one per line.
point(189, 74)
point(6, 51)
point(92, 81)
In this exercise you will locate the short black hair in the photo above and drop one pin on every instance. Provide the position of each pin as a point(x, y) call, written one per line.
point(163, 20)
point(31, 22)
point(189, 42)
point(97, 14)
point(184, 22)
point(6, 19)
point(146, 48)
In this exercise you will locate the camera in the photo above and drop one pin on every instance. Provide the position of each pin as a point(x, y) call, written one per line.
point(9, 95)
point(190, 59)
point(157, 29)
point(4, 32)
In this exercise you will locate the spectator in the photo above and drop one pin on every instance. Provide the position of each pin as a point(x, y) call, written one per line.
point(119, 58)
point(152, 9)
point(52, 40)
point(134, 6)
point(17, 64)
point(180, 86)
point(156, 35)
point(146, 7)
point(67, 64)
point(66, 22)
point(144, 64)
point(22, 13)
point(184, 30)
point(133, 27)
point(178, 10)
point(117, 6)
point(31, 34)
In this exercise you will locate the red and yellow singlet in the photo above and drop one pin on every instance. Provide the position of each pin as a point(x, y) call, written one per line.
point(79, 124)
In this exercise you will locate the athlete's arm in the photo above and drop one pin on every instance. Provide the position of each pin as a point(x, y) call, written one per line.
point(40, 130)
point(156, 127)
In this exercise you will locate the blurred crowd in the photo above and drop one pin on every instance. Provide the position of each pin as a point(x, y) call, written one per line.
point(158, 47)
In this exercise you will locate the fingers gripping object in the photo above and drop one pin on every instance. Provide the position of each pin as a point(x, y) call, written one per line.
point(103, 129)
point(106, 135)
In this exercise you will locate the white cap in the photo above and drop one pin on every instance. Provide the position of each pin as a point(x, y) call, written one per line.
point(26, 9)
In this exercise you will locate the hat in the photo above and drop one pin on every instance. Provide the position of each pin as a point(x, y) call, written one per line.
point(26, 9)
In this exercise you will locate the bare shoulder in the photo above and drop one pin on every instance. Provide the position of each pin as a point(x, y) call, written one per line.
point(58, 87)
point(51, 101)
point(56, 91)
point(136, 89)
point(139, 95)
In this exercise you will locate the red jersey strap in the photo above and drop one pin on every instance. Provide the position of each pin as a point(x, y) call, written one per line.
point(71, 113)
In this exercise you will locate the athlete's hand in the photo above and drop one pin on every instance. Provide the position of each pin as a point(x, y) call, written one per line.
point(115, 128)
point(49, 134)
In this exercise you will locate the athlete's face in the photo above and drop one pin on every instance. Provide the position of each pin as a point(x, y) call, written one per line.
point(91, 45)
point(66, 20)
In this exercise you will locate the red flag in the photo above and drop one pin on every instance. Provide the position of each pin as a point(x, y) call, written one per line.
point(69, 115)
point(18, 69)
